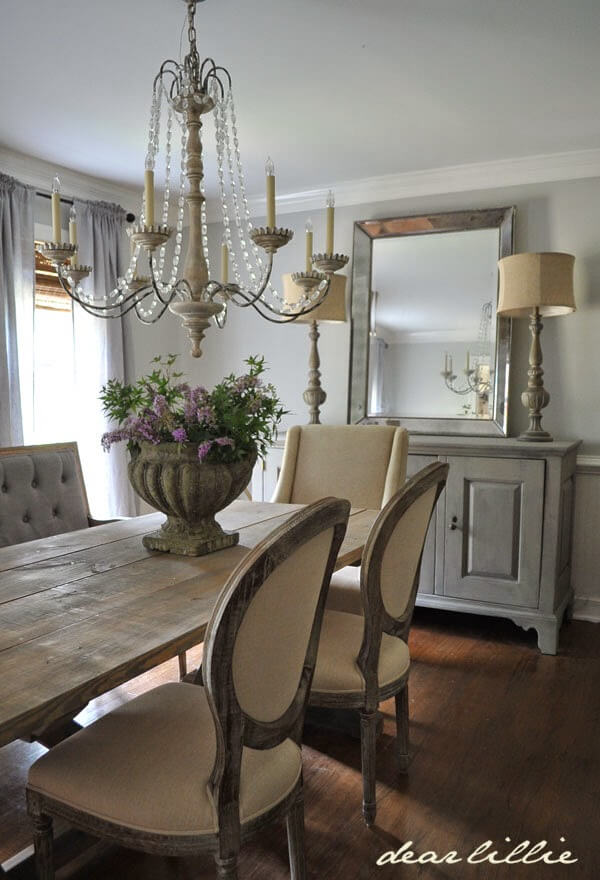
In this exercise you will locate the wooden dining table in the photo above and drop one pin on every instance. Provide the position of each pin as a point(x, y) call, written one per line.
point(83, 612)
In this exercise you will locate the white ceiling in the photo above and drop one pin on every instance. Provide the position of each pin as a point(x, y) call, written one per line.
point(332, 89)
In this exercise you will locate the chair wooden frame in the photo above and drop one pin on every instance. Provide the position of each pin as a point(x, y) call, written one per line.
point(234, 728)
point(376, 622)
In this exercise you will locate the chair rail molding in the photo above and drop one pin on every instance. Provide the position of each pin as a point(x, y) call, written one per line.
point(588, 464)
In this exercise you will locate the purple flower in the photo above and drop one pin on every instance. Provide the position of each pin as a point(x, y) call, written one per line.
point(243, 383)
point(160, 405)
point(204, 449)
point(144, 428)
point(180, 435)
point(111, 437)
point(206, 414)
point(224, 441)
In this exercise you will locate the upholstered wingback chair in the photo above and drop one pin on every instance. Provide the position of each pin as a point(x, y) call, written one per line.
point(364, 463)
point(42, 492)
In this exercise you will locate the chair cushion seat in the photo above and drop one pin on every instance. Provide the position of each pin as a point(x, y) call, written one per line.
point(337, 670)
point(344, 591)
point(147, 766)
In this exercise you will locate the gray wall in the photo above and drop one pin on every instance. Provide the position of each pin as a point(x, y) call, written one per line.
point(563, 216)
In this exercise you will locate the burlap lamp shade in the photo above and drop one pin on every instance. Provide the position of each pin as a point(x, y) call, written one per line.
point(542, 281)
point(332, 309)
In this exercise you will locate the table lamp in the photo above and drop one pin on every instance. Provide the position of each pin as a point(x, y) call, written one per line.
point(536, 285)
point(332, 310)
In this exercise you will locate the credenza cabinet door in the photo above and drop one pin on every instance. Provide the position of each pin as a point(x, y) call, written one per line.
point(414, 464)
point(493, 530)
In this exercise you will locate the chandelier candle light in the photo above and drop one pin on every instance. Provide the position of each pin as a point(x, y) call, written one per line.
point(182, 93)
point(478, 380)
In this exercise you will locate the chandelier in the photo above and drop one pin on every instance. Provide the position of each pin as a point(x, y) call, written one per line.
point(182, 93)
point(478, 373)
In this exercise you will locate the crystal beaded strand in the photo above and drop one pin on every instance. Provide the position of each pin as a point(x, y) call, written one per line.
point(180, 210)
point(220, 141)
point(159, 265)
point(244, 198)
point(233, 179)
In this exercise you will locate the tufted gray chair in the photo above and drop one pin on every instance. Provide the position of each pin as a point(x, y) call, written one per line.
point(42, 492)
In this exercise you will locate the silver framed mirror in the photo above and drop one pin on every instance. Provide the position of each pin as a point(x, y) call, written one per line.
point(428, 350)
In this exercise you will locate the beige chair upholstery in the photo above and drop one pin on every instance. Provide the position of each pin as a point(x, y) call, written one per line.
point(134, 767)
point(337, 671)
point(185, 767)
point(403, 555)
point(364, 463)
point(363, 656)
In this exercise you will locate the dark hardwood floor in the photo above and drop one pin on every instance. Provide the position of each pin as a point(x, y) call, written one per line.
point(505, 743)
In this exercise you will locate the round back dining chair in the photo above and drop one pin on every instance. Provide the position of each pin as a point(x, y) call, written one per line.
point(185, 768)
point(364, 658)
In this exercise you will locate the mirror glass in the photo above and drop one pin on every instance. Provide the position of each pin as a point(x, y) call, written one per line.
point(433, 325)
point(428, 350)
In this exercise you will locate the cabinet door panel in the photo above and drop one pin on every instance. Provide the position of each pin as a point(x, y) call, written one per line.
point(427, 580)
point(493, 539)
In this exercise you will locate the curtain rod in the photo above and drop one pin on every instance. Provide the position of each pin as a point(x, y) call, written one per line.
point(45, 195)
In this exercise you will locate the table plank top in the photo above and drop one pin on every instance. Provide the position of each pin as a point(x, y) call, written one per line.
point(83, 612)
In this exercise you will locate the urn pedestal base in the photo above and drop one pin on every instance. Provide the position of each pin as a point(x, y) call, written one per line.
point(190, 543)
point(177, 537)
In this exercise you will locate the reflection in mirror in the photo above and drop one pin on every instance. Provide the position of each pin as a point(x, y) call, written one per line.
point(427, 349)
point(433, 325)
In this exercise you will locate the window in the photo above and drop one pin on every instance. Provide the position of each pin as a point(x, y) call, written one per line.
point(54, 375)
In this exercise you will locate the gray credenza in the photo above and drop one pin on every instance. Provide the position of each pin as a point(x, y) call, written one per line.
point(500, 541)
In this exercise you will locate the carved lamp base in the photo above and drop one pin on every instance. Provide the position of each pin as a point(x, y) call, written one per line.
point(314, 396)
point(535, 398)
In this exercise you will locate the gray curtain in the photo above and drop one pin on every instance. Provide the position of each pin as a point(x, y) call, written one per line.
point(99, 356)
point(16, 309)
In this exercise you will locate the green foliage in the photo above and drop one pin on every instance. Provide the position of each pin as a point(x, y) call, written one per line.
point(240, 416)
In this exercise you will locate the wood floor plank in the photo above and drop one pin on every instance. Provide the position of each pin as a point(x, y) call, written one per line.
point(504, 742)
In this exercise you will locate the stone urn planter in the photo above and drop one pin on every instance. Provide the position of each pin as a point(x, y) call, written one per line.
point(170, 477)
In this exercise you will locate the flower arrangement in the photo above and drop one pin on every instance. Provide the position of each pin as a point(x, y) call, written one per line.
point(235, 420)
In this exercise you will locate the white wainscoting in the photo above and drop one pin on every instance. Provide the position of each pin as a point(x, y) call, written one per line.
point(586, 540)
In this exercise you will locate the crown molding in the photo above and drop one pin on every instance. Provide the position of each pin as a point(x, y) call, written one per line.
point(573, 165)
point(39, 173)
point(500, 173)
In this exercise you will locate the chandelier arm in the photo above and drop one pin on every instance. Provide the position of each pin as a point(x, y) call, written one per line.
point(174, 289)
point(97, 309)
point(165, 70)
point(263, 308)
point(153, 320)
point(304, 311)
point(279, 320)
point(251, 298)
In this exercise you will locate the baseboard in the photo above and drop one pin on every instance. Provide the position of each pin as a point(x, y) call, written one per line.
point(586, 608)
